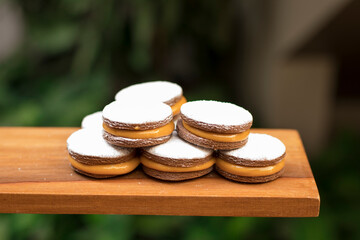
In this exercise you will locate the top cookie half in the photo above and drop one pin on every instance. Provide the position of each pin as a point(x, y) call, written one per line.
point(136, 115)
point(217, 117)
point(93, 120)
point(159, 91)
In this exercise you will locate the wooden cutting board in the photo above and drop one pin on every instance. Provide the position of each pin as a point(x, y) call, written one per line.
point(35, 177)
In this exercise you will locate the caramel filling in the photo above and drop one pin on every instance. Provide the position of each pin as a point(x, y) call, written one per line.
point(108, 169)
point(141, 134)
point(176, 107)
point(249, 171)
point(163, 168)
point(219, 137)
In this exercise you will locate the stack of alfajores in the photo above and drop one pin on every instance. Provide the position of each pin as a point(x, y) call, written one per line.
point(138, 127)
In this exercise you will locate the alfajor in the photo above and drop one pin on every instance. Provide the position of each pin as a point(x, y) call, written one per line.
point(176, 160)
point(260, 160)
point(91, 155)
point(137, 124)
point(93, 120)
point(161, 91)
point(215, 125)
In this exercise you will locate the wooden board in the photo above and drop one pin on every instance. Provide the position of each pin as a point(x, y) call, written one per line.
point(35, 177)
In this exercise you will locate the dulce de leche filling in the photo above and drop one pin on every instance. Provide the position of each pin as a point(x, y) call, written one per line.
point(108, 169)
point(141, 134)
point(249, 171)
point(164, 168)
point(219, 137)
point(176, 107)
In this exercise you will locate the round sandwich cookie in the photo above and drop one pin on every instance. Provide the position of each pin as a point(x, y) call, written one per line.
point(137, 124)
point(93, 120)
point(215, 125)
point(91, 155)
point(260, 160)
point(162, 91)
point(176, 160)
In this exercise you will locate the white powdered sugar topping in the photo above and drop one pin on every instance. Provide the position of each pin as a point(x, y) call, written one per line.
point(93, 120)
point(176, 148)
point(161, 91)
point(260, 147)
point(136, 112)
point(219, 113)
point(89, 142)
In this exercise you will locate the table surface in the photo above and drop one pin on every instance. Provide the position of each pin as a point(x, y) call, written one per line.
point(35, 177)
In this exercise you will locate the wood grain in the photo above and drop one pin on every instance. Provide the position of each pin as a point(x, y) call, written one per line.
point(35, 177)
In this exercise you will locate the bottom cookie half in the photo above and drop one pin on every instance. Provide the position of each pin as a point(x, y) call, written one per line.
point(260, 179)
point(92, 175)
point(133, 143)
point(175, 176)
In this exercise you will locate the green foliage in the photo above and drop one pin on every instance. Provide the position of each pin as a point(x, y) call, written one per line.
point(79, 53)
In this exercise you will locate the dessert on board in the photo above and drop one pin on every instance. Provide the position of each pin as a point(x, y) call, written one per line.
point(262, 159)
point(177, 160)
point(215, 125)
point(137, 124)
point(91, 155)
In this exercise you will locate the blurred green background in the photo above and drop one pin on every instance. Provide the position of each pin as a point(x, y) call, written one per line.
point(61, 60)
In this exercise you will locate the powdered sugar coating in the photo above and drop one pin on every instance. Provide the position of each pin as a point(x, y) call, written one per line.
point(135, 112)
point(89, 142)
point(176, 148)
point(93, 120)
point(161, 91)
point(260, 147)
point(218, 113)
